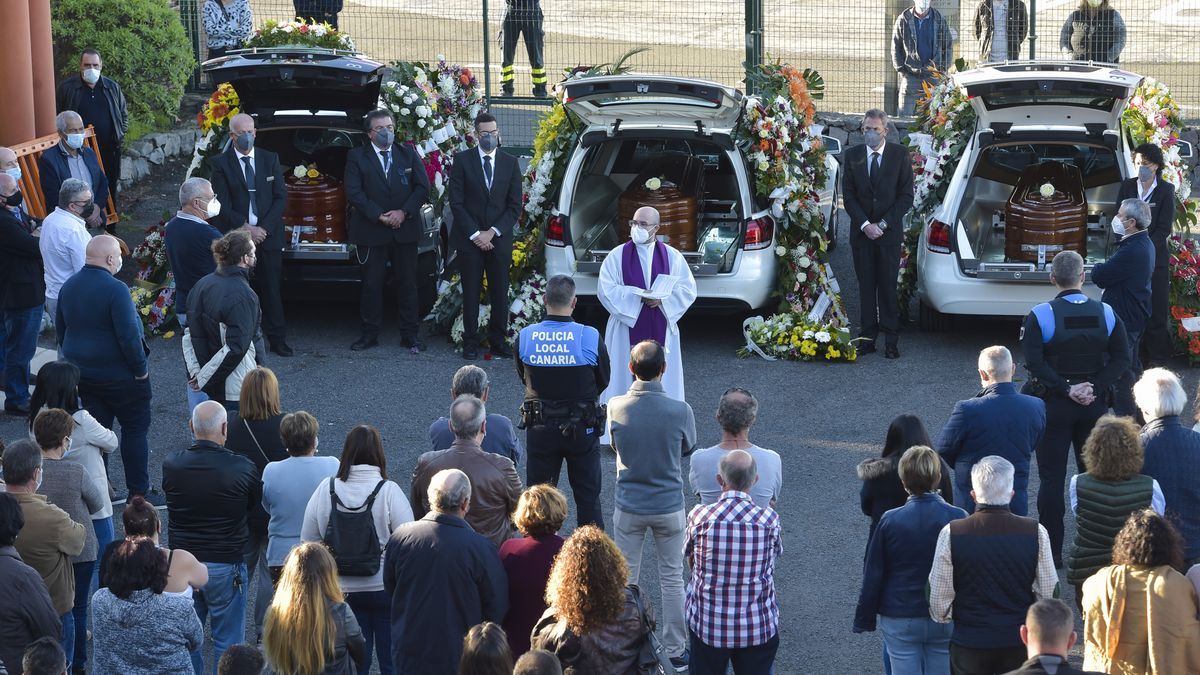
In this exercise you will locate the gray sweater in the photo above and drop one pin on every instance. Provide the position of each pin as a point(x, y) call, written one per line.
point(651, 432)
point(147, 633)
point(67, 486)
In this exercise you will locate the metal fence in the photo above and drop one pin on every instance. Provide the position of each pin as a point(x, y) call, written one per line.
point(848, 42)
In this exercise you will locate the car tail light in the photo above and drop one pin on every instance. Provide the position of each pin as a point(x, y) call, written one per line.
point(938, 239)
point(556, 231)
point(759, 233)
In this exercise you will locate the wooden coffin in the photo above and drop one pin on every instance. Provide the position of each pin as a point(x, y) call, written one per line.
point(677, 199)
point(317, 206)
point(1036, 228)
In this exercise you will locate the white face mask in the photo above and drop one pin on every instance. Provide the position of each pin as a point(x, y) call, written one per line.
point(214, 208)
point(91, 75)
point(921, 6)
point(120, 263)
point(1118, 226)
point(640, 235)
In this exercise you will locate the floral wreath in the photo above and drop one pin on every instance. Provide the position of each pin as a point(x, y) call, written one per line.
point(300, 33)
point(153, 289)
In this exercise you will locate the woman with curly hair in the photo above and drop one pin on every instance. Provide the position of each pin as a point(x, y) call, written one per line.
point(309, 629)
point(1103, 498)
point(592, 624)
point(1139, 613)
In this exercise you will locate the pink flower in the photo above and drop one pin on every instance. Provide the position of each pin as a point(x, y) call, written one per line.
point(1162, 121)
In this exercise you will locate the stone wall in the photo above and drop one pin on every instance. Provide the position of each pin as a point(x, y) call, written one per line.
point(152, 150)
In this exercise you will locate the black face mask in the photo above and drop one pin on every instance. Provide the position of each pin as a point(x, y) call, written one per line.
point(14, 200)
point(88, 210)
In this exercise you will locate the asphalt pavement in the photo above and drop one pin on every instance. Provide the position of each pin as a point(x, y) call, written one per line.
point(822, 418)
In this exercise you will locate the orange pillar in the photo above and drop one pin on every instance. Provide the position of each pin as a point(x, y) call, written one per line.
point(17, 123)
point(41, 49)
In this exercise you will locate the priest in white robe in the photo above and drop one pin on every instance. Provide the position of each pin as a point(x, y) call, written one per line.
point(627, 277)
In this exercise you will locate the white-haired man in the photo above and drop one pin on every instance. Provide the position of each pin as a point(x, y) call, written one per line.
point(64, 238)
point(998, 421)
point(987, 570)
point(443, 578)
point(72, 158)
point(1172, 453)
point(210, 491)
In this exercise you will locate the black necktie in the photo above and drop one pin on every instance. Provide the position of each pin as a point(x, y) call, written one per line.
point(387, 162)
point(487, 170)
point(874, 164)
point(250, 184)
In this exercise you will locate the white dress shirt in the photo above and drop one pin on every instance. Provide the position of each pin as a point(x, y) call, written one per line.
point(252, 217)
point(63, 244)
point(1144, 195)
point(491, 154)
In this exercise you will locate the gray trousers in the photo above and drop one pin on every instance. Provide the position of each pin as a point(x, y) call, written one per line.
point(629, 533)
point(911, 89)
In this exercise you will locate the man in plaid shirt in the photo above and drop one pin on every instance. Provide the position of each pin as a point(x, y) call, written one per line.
point(731, 545)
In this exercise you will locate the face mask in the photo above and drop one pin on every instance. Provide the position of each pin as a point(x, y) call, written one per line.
point(872, 138)
point(15, 172)
point(488, 142)
point(75, 141)
point(1145, 173)
point(244, 142)
point(921, 6)
point(14, 200)
point(640, 235)
point(91, 75)
point(1094, 3)
point(384, 138)
point(120, 264)
point(39, 481)
point(214, 208)
point(88, 210)
point(1118, 226)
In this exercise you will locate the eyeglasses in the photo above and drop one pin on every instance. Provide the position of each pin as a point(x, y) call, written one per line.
point(642, 223)
point(494, 132)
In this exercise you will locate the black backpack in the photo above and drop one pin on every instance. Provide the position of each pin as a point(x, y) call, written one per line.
point(350, 536)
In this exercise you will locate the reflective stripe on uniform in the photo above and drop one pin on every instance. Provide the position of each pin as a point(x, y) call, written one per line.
point(506, 73)
point(538, 75)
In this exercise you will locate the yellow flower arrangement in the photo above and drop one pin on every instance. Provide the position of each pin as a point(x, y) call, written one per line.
point(219, 109)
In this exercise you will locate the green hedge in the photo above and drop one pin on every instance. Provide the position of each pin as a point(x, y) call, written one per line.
point(144, 47)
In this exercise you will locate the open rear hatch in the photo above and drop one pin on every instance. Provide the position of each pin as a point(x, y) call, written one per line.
point(1041, 93)
point(614, 102)
point(270, 81)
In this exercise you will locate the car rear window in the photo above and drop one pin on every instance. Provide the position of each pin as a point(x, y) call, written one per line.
point(1048, 92)
point(1005, 163)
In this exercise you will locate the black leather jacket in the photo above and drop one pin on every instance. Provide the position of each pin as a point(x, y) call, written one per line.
point(70, 92)
point(224, 297)
point(210, 491)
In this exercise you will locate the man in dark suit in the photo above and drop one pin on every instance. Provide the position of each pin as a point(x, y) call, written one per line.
point(22, 295)
point(998, 421)
point(248, 183)
point(1150, 187)
point(877, 189)
point(72, 159)
point(485, 199)
point(1049, 634)
point(386, 185)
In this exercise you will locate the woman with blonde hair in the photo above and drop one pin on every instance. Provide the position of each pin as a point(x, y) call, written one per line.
point(592, 624)
point(1103, 498)
point(540, 513)
point(309, 628)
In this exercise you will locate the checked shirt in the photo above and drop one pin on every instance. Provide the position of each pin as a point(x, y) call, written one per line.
point(731, 596)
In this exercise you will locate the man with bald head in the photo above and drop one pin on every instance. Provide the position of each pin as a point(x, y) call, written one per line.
point(443, 578)
point(71, 158)
point(248, 183)
point(210, 491)
point(102, 335)
point(635, 313)
point(732, 612)
point(22, 296)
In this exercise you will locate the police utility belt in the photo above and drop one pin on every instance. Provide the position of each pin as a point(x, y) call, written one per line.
point(565, 414)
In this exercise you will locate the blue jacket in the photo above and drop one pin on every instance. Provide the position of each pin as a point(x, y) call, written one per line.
point(999, 421)
point(53, 170)
point(189, 251)
point(1125, 278)
point(1173, 459)
point(899, 558)
point(101, 331)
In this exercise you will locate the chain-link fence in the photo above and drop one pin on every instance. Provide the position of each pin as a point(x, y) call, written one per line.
point(849, 43)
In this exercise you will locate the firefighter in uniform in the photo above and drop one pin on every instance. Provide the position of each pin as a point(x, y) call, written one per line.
point(524, 16)
point(564, 367)
point(1075, 349)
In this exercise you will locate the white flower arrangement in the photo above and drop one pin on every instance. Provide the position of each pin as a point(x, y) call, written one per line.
point(1046, 190)
point(653, 184)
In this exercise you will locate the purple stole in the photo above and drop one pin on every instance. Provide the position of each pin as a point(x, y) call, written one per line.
point(651, 323)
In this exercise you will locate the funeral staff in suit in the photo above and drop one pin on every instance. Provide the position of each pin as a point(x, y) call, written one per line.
point(485, 199)
point(1150, 187)
point(877, 188)
point(1125, 278)
point(386, 185)
point(72, 159)
point(626, 275)
point(564, 366)
point(1075, 349)
point(248, 183)
point(22, 296)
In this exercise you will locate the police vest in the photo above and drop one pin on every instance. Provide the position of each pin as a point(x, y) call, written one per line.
point(1075, 330)
point(559, 344)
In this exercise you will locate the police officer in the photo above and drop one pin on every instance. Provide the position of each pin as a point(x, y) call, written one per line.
point(1075, 349)
point(564, 367)
point(524, 16)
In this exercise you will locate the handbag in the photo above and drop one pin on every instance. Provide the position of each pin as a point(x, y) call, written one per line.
point(652, 658)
